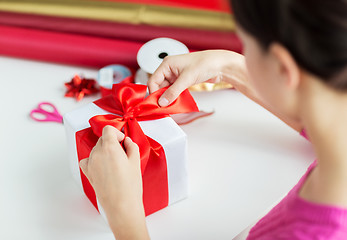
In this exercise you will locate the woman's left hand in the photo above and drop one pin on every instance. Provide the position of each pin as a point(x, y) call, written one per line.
point(115, 175)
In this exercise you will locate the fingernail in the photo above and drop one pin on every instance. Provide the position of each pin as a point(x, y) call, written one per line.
point(163, 102)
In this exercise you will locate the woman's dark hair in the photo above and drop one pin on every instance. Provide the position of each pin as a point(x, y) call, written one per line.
point(314, 31)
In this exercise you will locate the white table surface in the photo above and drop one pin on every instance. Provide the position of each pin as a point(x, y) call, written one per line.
point(242, 160)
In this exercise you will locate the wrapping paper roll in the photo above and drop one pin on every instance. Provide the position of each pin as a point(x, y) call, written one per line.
point(192, 38)
point(215, 5)
point(124, 12)
point(67, 48)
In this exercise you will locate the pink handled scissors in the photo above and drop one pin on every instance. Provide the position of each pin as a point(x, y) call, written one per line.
point(46, 112)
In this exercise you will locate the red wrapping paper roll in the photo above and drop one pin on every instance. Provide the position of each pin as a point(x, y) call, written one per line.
point(215, 5)
point(192, 38)
point(66, 48)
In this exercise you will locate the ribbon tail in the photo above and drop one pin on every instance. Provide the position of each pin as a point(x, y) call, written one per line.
point(133, 130)
point(185, 118)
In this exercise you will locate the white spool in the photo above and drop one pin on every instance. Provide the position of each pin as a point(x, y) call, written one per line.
point(152, 53)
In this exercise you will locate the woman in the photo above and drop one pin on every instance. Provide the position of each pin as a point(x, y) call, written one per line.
point(295, 65)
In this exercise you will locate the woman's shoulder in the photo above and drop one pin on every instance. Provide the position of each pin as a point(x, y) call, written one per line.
point(297, 218)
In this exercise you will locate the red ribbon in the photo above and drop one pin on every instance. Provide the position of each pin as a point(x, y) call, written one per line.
point(128, 105)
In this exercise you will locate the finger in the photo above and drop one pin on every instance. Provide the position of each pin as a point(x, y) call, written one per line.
point(84, 166)
point(162, 73)
point(95, 151)
point(154, 83)
point(174, 90)
point(98, 143)
point(132, 149)
point(111, 142)
point(110, 133)
point(165, 84)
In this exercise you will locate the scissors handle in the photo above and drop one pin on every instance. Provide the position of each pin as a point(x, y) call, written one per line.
point(46, 115)
point(51, 108)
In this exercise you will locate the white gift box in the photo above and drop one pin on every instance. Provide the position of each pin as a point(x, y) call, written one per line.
point(165, 131)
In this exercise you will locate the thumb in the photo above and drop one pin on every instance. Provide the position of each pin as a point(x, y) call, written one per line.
point(174, 90)
point(84, 166)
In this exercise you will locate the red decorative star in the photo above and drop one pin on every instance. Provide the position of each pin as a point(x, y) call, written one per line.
point(79, 87)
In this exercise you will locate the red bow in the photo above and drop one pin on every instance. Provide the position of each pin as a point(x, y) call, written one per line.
point(79, 87)
point(129, 104)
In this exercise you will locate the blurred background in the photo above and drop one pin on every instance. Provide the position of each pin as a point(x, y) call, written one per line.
point(96, 33)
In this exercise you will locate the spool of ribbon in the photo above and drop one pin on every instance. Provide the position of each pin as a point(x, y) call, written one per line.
point(112, 74)
point(153, 52)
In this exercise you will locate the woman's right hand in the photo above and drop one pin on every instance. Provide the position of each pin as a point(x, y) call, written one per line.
point(182, 71)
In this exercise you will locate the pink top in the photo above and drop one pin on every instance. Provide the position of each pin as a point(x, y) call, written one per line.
point(295, 218)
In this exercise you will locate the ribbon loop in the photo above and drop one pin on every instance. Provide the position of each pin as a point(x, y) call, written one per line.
point(129, 104)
